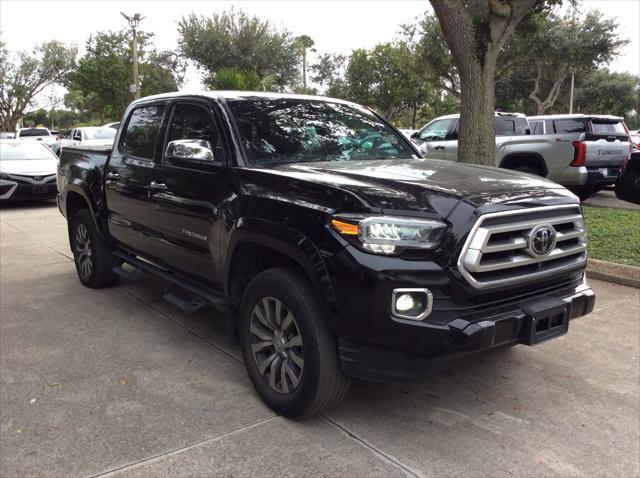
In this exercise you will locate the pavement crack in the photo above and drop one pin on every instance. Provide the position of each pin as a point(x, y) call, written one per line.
point(177, 451)
point(180, 324)
point(604, 306)
point(384, 456)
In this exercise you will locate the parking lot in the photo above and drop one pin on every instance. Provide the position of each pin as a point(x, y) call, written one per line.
point(117, 382)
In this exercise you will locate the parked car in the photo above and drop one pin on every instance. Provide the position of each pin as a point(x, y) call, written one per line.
point(40, 134)
point(27, 170)
point(581, 162)
point(635, 138)
point(628, 181)
point(333, 247)
point(89, 135)
point(115, 125)
point(601, 144)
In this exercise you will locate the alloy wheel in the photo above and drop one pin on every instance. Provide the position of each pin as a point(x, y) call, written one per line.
point(83, 250)
point(276, 345)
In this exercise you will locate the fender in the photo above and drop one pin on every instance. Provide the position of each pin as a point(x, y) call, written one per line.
point(77, 186)
point(533, 156)
point(289, 242)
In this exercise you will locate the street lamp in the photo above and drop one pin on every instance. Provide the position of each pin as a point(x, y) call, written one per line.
point(133, 23)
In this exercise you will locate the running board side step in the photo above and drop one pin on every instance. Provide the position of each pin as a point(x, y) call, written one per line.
point(180, 292)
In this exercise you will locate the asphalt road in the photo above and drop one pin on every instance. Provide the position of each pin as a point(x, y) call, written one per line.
point(116, 382)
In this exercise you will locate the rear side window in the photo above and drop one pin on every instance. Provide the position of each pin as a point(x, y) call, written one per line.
point(570, 126)
point(616, 128)
point(141, 135)
point(511, 126)
point(537, 127)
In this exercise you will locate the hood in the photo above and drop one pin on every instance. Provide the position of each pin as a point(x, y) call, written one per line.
point(29, 167)
point(418, 184)
point(98, 142)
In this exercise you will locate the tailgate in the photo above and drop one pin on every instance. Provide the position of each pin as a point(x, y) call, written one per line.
point(606, 149)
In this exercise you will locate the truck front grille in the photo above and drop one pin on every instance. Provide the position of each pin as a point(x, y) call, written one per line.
point(499, 249)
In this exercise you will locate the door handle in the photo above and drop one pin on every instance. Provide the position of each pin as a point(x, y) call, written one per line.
point(112, 176)
point(438, 147)
point(158, 186)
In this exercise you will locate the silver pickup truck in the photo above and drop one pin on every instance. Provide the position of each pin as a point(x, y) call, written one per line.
point(582, 153)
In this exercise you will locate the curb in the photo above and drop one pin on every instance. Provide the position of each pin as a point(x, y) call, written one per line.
point(612, 272)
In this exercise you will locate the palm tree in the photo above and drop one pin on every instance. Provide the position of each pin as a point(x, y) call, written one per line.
point(302, 44)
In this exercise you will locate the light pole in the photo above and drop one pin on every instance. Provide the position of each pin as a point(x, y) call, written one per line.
point(133, 23)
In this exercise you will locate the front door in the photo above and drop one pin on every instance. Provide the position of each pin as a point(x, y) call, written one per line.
point(188, 190)
point(128, 176)
point(434, 136)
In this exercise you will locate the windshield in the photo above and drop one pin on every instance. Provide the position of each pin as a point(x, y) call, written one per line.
point(99, 133)
point(24, 150)
point(275, 131)
point(607, 127)
point(33, 132)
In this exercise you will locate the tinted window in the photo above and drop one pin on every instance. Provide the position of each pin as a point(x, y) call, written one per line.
point(537, 127)
point(290, 130)
point(192, 122)
point(570, 126)
point(142, 131)
point(511, 125)
point(33, 132)
point(436, 131)
point(617, 128)
point(24, 150)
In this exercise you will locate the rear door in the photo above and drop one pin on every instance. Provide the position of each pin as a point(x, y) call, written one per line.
point(129, 174)
point(188, 191)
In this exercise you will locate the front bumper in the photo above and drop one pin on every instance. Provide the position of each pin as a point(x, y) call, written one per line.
point(15, 191)
point(493, 328)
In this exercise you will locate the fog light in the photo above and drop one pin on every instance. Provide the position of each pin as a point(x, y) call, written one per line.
point(412, 304)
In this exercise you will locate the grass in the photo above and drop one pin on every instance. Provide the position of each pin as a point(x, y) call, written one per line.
point(614, 234)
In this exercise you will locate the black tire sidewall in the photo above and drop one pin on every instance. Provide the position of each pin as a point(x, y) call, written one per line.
point(297, 297)
point(83, 217)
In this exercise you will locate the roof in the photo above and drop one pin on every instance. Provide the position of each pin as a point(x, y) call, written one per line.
point(575, 115)
point(497, 113)
point(232, 95)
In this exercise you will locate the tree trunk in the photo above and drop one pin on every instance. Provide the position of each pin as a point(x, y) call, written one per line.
point(304, 70)
point(475, 32)
point(414, 113)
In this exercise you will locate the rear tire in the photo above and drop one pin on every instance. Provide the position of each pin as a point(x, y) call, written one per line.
point(290, 354)
point(93, 257)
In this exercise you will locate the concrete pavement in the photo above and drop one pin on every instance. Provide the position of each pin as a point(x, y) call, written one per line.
point(116, 382)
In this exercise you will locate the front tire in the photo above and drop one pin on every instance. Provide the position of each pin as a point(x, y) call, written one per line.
point(93, 257)
point(290, 354)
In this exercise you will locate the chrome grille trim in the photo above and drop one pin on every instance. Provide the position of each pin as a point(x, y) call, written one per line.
point(505, 257)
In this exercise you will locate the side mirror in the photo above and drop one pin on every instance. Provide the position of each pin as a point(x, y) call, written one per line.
point(415, 135)
point(77, 137)
point(197, 150)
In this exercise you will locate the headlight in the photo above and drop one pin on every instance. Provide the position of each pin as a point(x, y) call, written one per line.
point(390, 235)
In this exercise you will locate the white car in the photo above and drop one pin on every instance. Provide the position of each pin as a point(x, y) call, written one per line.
point(40, 134)
point(27, 170)
point(90, 135)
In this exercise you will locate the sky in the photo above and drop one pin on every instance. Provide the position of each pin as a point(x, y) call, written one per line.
point(335, 26)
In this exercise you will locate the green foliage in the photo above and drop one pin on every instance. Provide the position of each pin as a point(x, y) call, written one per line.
point(542, 55)
point(330, 73)
point(233, 39)
point(100, 84)
point(232, 79)
point(614, 234)
point(24, 77)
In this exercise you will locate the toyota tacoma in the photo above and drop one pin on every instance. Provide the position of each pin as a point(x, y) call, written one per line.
point(335, 249)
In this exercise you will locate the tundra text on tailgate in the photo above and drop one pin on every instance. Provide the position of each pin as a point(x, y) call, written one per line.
point(334, 248)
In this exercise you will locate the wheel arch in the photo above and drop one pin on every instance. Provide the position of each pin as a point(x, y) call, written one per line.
point(532, 159)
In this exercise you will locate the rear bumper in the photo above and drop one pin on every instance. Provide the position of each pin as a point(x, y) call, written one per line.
point(523, 324)
point(602, 176)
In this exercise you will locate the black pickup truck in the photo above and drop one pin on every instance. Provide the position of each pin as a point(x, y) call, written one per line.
point(335, 249)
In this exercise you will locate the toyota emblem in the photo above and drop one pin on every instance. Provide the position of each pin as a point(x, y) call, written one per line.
point(542, 240)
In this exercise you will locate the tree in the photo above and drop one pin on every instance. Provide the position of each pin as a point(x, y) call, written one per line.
point(303, 43)
point(233, 39)
point(476, 31)
point(330, 73)
point(605, 92)
point(542, 57)
point(22, 79)
point(232, 79)
point(101, 82)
